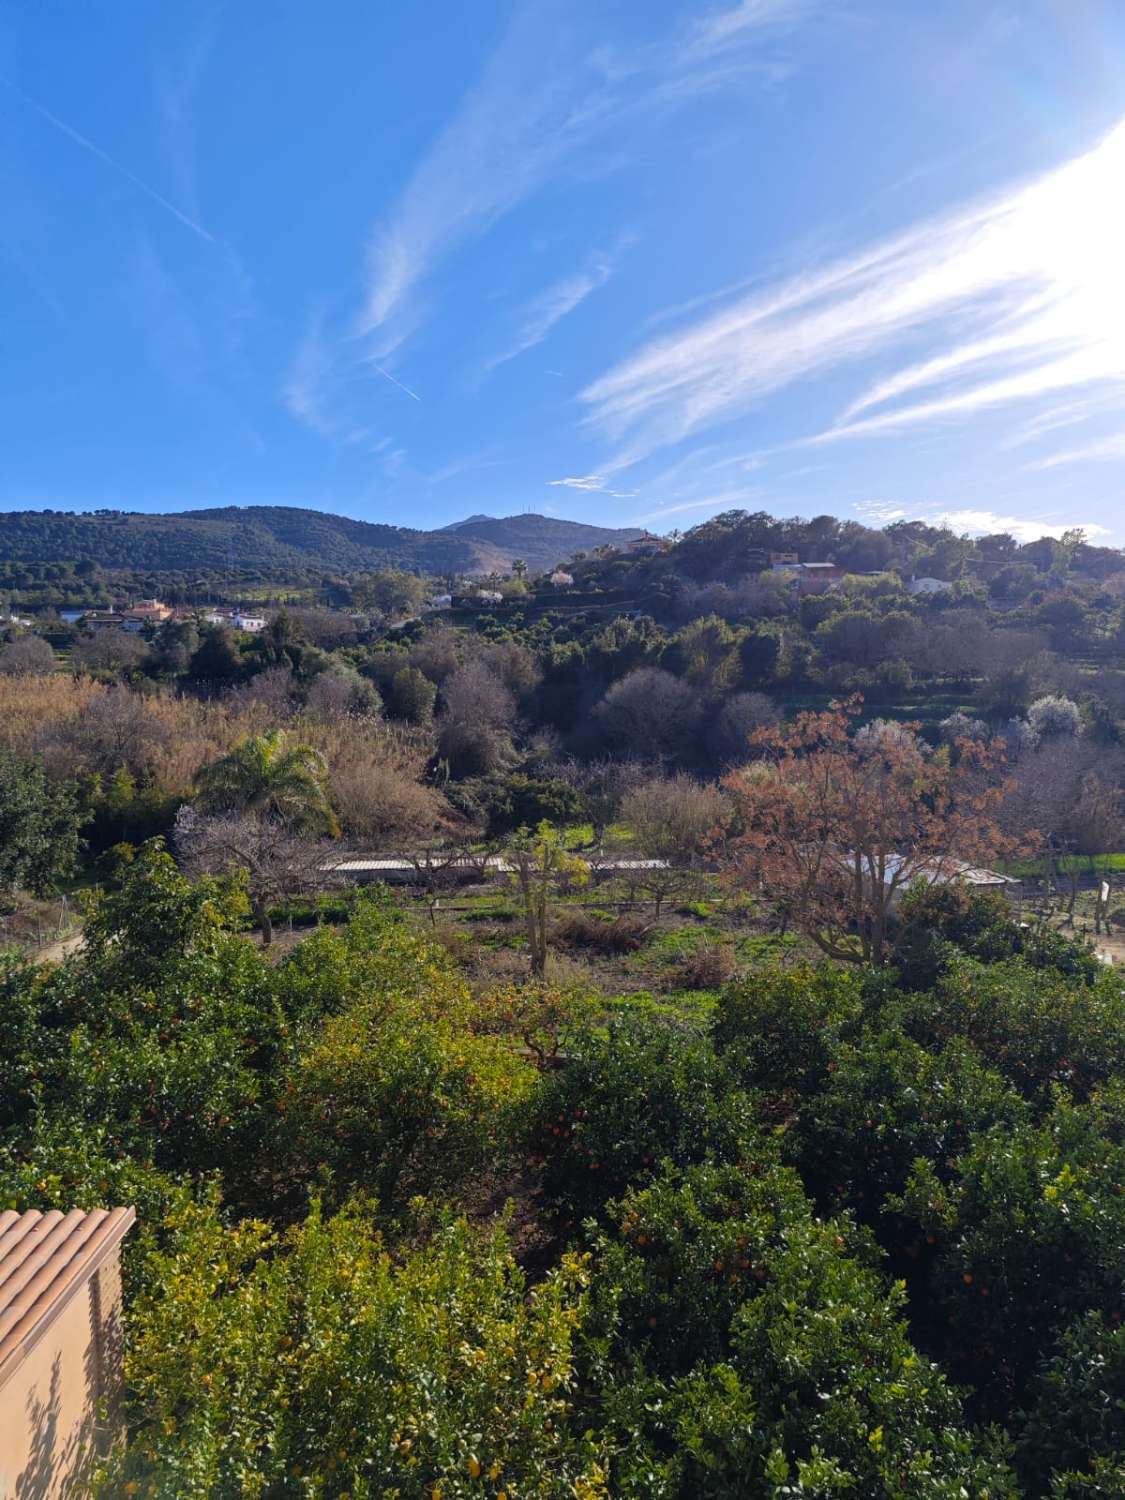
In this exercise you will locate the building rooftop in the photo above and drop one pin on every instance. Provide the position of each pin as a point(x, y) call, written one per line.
point(381, 864)
point(942, 871)
point(45, 1258)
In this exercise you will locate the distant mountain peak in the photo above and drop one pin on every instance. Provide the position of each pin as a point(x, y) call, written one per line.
point(468, 521)
point(284, 536)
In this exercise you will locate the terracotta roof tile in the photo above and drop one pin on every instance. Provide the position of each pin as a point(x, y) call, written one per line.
point(44, 1259)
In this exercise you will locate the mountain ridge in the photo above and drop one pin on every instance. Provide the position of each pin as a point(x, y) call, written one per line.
point(282, 536)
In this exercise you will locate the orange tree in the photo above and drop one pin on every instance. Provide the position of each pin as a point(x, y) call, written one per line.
point(833, 827)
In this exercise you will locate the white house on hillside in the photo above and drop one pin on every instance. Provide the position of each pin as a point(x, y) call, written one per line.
point(927, 586)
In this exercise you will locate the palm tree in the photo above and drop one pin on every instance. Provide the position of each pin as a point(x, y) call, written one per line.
point(265, 774)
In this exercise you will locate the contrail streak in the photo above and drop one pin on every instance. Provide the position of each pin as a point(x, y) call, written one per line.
point(88, 145)
point(387, 374)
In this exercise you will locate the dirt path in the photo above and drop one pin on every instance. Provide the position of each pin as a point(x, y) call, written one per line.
point(55, 952)
point(1110, 949)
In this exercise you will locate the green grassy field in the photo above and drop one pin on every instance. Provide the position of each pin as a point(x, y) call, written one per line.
point(1071, 864)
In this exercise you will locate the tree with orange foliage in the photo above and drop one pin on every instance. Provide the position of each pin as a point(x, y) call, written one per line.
point(832, 827)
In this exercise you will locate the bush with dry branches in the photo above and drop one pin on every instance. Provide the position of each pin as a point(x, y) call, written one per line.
point(832, 829)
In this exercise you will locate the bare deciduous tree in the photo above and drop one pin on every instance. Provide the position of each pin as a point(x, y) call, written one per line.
point(382, 804)
point(1072, 791)
point(108, 651)
point(649, 713)
point(279, 864)
point(603, 784)
point(514, 665)
point(30, 656)
point(274, 689)
point(437, 655)
point(328, 628)
point(478, 712)
point(113, 730)
point(441, 868)
point(741, 716)
point(340, 692)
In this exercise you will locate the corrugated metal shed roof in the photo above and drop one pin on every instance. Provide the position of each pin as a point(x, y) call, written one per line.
point(44, 1259)
point(471, 866)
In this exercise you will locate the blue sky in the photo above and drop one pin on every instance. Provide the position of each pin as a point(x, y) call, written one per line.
point(621, 260)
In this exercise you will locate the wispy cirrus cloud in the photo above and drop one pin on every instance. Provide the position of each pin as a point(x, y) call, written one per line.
point(591, 484)
point(318, 392)
point(716, 31)
point(1086, 407)
point(548, 93)
point(720, 500)
point(1019, 296)
point(331, 395)
point(557, 302)
point(176, 79)
point(554, 103)
point(1101, 449)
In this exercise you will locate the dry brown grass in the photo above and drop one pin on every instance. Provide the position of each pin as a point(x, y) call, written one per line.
point(375, 775)
point(29, 703)
point(374, 769)
point(48, 713)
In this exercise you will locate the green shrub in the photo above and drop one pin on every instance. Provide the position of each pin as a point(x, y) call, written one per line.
point(317, 1363)
point(682, 1255)
point(375, 958)
point(1035, 1026)
point(161, 1029)
point(936, 922)
point(781, 1029)
point(741, 1349)
point(65, 1162)
point(1078, 1413)
point(1029, 1237)
point(889, 1101)
point(521, 801)
point(627, 1099)
point(30, 1047)
point(399, 1105)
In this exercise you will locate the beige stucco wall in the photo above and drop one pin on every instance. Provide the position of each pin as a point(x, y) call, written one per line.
point(50, 1423)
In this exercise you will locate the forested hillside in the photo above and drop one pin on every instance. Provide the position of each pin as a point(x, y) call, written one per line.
point(283, 537)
